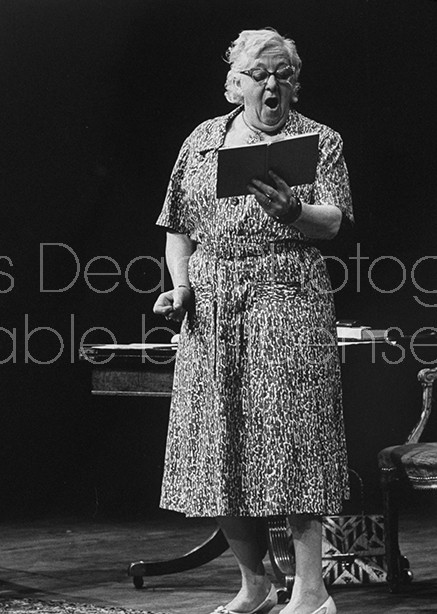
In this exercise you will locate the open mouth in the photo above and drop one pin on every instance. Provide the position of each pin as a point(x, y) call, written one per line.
point(272, 102)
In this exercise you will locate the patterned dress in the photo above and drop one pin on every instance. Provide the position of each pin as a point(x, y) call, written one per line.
point(256, 425)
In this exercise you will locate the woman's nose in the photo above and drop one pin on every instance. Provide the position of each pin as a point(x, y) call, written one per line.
point(271, 82)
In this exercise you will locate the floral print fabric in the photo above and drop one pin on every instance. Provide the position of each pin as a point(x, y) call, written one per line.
point(256, 425)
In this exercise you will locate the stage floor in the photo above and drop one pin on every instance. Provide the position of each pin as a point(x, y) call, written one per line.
point(83, 560)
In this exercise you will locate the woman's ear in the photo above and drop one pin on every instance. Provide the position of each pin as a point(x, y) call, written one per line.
point(237, 85)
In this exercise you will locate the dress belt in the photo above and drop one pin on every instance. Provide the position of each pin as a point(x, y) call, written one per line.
point(238, 251)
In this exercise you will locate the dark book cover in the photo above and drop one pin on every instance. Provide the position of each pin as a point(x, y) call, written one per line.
point(293, 158)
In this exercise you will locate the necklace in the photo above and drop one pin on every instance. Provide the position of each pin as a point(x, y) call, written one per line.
point(259, 132)
point(256, 136)
point(259, 135)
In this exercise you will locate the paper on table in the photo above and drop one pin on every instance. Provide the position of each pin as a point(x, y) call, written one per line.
point(134, 346)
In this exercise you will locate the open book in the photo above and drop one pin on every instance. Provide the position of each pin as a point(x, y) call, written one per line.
point(293, 158)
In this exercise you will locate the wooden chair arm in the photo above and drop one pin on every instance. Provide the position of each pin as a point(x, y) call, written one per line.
point(427, 378)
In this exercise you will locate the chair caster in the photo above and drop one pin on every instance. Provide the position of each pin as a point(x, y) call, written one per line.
point(138, 581)
point(283, 595)
point(405, 576)
point(137, 570)
point(406, 573)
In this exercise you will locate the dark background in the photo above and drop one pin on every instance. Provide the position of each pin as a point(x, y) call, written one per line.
point(97, 97)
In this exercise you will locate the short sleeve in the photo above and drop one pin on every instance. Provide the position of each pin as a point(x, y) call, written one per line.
point(332, 179)
point(175, 213)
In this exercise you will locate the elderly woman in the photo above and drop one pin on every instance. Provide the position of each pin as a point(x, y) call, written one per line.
point(256, 425)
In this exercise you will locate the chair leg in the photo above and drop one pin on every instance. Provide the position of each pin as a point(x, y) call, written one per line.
point(281, 554)
point(398, 572)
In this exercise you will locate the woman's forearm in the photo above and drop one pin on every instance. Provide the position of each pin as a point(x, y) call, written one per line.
point(178, 250)
point(319, 221)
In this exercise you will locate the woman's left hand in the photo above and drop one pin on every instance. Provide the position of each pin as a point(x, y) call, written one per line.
point(276, 202)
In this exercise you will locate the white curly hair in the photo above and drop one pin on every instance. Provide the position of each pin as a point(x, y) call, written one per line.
point(249, 45)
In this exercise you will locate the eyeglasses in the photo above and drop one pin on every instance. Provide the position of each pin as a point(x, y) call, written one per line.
point(262, 75)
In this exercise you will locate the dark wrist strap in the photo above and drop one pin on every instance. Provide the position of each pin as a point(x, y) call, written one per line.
point(292, 214)
point(185, 286)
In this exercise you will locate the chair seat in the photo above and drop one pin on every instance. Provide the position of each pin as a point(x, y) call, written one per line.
point(417, 462)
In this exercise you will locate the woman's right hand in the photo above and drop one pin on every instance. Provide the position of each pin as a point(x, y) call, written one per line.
point(174, 304)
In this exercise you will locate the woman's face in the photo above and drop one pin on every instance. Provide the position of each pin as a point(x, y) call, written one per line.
point(266, 104)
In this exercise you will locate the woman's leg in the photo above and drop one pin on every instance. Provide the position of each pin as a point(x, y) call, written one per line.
point(243, 539)
point(309, 591)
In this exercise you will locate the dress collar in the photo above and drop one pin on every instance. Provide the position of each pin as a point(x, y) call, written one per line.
point(214, 137)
